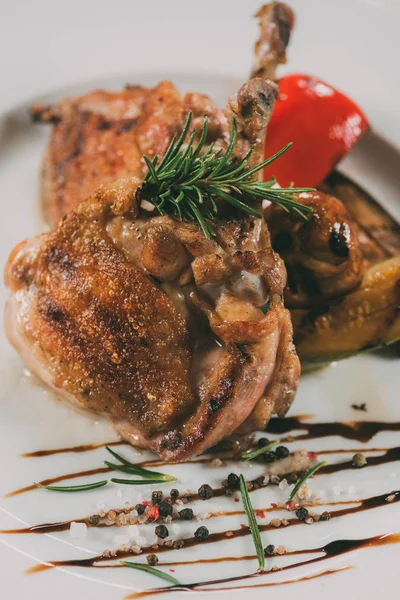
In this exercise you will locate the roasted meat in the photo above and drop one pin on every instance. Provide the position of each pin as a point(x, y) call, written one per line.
point(178, 339)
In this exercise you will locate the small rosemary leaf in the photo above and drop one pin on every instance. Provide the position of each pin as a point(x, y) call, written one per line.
point(202, 139)
point(229, 150)
point(182, 137)
point(151, 571)
point(134, 470)
point(140, 481)
point(302, 481)
point(73, 488)
point(255, 532)
point(250, 454)
point(236, 202)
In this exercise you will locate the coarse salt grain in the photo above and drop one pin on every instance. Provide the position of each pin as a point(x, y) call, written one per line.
point(133, 531)
point(121, 540)
point(147, 205)
point(78, 530)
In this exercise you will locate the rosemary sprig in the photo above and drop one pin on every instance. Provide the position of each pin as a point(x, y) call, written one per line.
point(190, 181)
point(250, 454)
point(151, 570)
point(306, 476)
point(73, 488)
point(138, 481)
point(132, 469)
point(255, 532)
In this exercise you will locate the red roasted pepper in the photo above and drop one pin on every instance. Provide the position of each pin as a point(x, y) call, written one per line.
point(323, 125)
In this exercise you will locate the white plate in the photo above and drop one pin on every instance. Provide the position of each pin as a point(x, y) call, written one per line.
point(30, 418)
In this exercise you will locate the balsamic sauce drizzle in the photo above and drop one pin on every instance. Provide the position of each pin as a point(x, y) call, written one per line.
point(361, 431)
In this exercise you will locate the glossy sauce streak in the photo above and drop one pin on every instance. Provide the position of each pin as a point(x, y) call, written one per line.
point(76, 449)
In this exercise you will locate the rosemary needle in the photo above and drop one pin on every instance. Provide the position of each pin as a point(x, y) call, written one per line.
point(255, 532)
point(151, 570)
point(191, 182)
point(132, 469)
point(307, 475)
point(73, 488)
point(250, 454)
point(138, 481)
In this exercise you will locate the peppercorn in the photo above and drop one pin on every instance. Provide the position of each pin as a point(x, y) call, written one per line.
point(165, 509)
point(325, 516)
point(205, 492)
point(178, 544)
point(269, 550)
point(292, 478)
point(282, 452)
point(359, 460)
point(232, 481)
point(139, 509)
point(262, 442)
point(269, 457)
point(94, 520)
point(156, 498)
point(186, 514)
point(201, 534)
point(152, 559)
point(302, 513)
point(161, 531)
point(174, 494)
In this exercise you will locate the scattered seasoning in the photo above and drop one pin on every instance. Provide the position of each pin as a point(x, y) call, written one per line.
point(161, 531)
point(255, 532)
point(391, 497)
point(282, 452)
point(72, 488)
point(151, 570)
point(275, 523)
point(281, 550)
point(217, 462)
point(291, 505)
point(139, 509)
point(260, 514)
point(165, 509)
point(152, 559)
point(174, 494)
point(362, 407)
point(270, 457)
point(153, 513)
point(302, 481)
point(292, 478)
point(325, 516)
point(229, 534)
point(186, 514)
point(94, 520)
point(304, 493)
point(309, 521)
point(233, 481)
point(358, 461)
point(269, 550)
point(262, 442)
point(205, 492)
point(201, 534)
point(250, 454)
point(145, 503)
point(302, 513)
point(156, 497)
point(178, 544)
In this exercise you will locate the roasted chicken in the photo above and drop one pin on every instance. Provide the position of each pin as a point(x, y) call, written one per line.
point(179, 339)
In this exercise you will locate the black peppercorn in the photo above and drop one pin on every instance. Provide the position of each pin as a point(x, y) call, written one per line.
point(262, 442)
point(178, 544)
point(165, 509)
point(162, 531)
point(292, 478)
point(201, 534)
point(139, 509)
point(205, 492)
point(302, 513)
point(269, 550)
point(156, 498)
point(282, 452)
point(233, 481)
point(325, 516)
point(269, 457)
point(186, 514)
point(94, 520)
point(152, 559)
point(174, 494)
point(359, 460)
